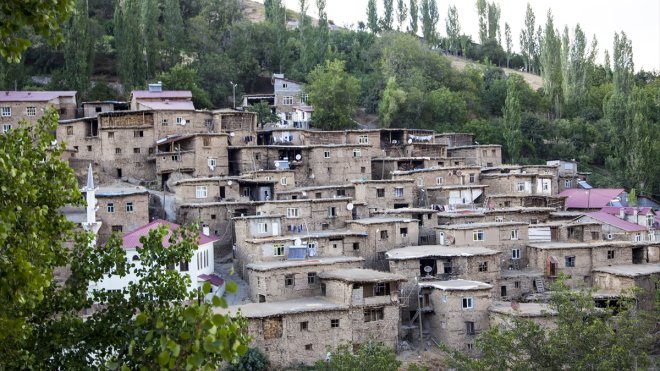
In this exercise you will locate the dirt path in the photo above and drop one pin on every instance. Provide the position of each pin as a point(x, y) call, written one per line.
point(534, 81)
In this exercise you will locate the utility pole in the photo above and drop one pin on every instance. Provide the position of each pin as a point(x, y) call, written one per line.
point(233, 88)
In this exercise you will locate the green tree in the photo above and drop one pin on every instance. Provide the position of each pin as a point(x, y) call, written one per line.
point(150, 16)
point(322, 32)
point(128, 42)
point(401, 13)
point(430, 17)
point(586, 337)
point(304, 37)
point(372, 16)
point(623, 66)
point(78, 50)
point(276, 16)
point(482, 13)
point(453, 29)
point(447, 109)
point(388, 16)
point(528, 41)
point(43, 17)
point(494, 13)
point(265, 114)
point(551, 69)
point(182, 77)
point(511, 120)
point(632, 198)
point(253, 360)
point(414, 17)
point(172, 31)
point(390, 106)
point(371, 356)
point(508, 42)
point(333, 93)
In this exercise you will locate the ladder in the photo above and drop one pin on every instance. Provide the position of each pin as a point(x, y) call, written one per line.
point(539, 285)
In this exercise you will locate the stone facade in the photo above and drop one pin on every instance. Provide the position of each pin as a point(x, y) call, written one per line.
point(481, 155)
point(385, 194)
point(30, 106)
point(121, 210)
point(384, 234)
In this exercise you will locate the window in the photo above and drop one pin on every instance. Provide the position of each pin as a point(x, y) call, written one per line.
point(420, 182)
point(516, 284)
point(304, 326)
point(283, 181)
point(468, 303)
point(403, 232)
point(334, 323)
point(499, 219)
point(278, 249)
point(484, 152)
point(287, 100)
point(439, 180)
point(341, 193)
point(111, 207)
point(380, 192)
point(180, 121)
point(472, 178)
point(375, 314)
point(514, 234)
point(546, 185)
point(293, 212)
point(212, 162)
point(129, 207)
point(117, 228)
point(326, 154)
point(398, 192)
point(363, 169)
point(183, 266)
point(356, 246)
point(201, 192)
point(469, 328)
point(568, 183)
point(570, 261)
point(383, 235)
point(483, 267)
point(515, 254)
point(111, 135)
point(151, 150)
point(69, 130)
point(262, 228)
point(311, 278)
point(136, 150)
point(6, 128)
point(163, 122)
point(332, 212)
point(610, 254)
point(31, 111)
point(469, 346)
point(381, 289)
point(6, 111)
point(357, 152)
point(520, 187)
point(363, 139)
point(639, 237)
point(289, 280)
point(206, 142)
point(138, 134)
point(318, 195)
point(649, 220)
point(117, 151)
point(309, 347)
point(478, 235)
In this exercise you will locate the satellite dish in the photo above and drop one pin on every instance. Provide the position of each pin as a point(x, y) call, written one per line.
point(298, 157)
point(349, 207)
point(297, 242)
point(409, 140)
point(277, 164)
point(458, 173)
point(230, 183)
point(428, 269)
point(231, 134)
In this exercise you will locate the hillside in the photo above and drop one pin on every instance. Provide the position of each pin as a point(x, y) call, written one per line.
point(534, 81)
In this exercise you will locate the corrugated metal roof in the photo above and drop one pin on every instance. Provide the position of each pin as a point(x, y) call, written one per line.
point(169, 105)
point(595, 198)
point(614, 210)
point(138, 94)
point(615, 221)
point(132, 239)
point(33, 96)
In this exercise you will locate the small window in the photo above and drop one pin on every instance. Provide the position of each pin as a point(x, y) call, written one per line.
point(287, 100)
point(6, 128)
point(201, 192)
point(610, 254)
point(375, 314)
point(568, 183)
point(380, 192)
point(110, 207)
point(129, 207)
point(262, 228)
point(289, 280)
point(183, 266)
point(117, 228)
point(309, 347)
point(341, 193)
point(363, 170)
point(439, 180)
point(283, 181)
point(363, 139)
point(469, 346)
point(356, 246)
point(570, 261)
point(311, 278)
point(515, 254)
point(98, 109)
point(420, 182)
point(468, 303)
point(403, 231)
point(639, 237)
point(383, 235)
point(499, 219)
point(111, 135)
point(136, 150)
point(117, 151)
point(332, 212)
point(357, 152)
point(483, 267)
point(6, 111)
point(151, 150)
point(31, 111)
point(212, 162)
point(381, 289)
point(206, 142)
point(326, 154)
point(278, 249)
point(520, 187)
point(398, 192)
point(334, 323)
point(516, 284)
point(180, 121)
point(304, 326)
point(69, 130)
point(89, 148)
point(478, 235)
point(284, 85)
point(138, 134)
point(472, 178)
point(293, 212)
point(469, 328)
point(649, 220)
point(514, 234)
point(318, 195)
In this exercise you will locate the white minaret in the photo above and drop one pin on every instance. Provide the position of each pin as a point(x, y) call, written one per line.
point(91, 224)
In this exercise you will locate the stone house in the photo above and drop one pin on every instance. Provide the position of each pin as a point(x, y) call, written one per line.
point(93, 108)
point(217, 216)
point(426, 219)
point(442, 175)
point(531, 215)
point(155, 97)
point(617, 281)
point(288, 93)
point(507, 200)
point(330, 191)
point(566, 231)
point(568, 175)
point(284, 180)
point(455, 139)
point(31, 105)
point(616, 229)
point(211, 189)
point(289, 279)
point(487, 155)
point(517, 284)
point(199, 155)
point(384, 166)
point(384, 194)
point(240, 125)
point(501, 314)
point(122, 209)
point(522, 183)
point(384, 234)
point(311, 214)
point(508, 237)
point(456, 312)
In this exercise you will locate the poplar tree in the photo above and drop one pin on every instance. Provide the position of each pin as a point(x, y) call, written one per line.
point(453, 29)
point(128, 41)
point(78, 50)
point(322, 32)
point(414, 17)
point(401, 13)
point(303, 35)
point(388, 15)
point(482, 13)
point(173, 31)
point(528, 41)
point(511, 120)
point(494, 13)
point(623, 67)
point(430, 17)
point(276, 16)
point(372, 16)
point(551, 70)
point(150, 15)
point(508, 43)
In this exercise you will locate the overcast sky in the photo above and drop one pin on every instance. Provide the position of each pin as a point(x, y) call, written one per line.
point(639, 19)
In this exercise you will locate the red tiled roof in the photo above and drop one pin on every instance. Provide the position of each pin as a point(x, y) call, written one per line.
point(614, 210)
point(33, 96)
point(140, 94)
point(212, 278)
point(595, 198)
point(606, 218)
point(132, 239)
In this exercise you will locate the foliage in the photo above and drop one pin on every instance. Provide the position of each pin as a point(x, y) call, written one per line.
point(586, 337)
point(430, 18)
point(264, 113)
point(156, 322)
point(186, 78)
point(389, 106)
point(511, 121)
point(372, 355)
point(333, 93)
point(372, 16)
point(43, 17)
point(252, 360)
point(414, 17)
point(78, 50)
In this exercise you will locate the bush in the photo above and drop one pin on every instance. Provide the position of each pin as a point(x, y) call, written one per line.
point(253, 360)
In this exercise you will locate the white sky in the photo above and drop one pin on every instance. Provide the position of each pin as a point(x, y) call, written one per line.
point(639, 19)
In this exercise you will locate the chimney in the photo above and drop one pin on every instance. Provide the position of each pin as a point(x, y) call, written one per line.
point(156, 88)
point(206, 230)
